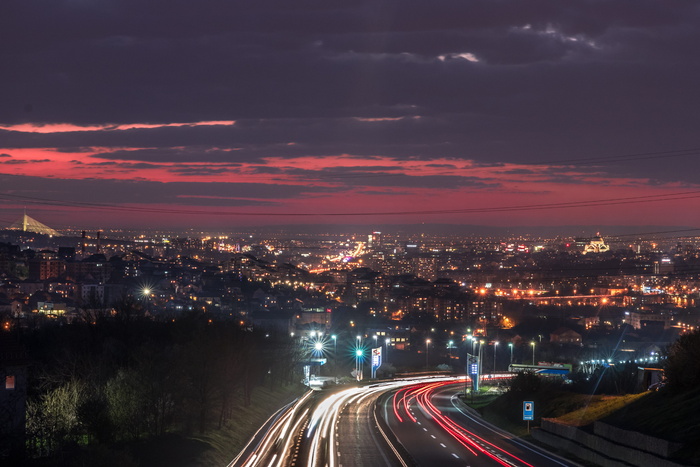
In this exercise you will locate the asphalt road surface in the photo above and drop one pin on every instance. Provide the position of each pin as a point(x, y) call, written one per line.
point(407, 423)
point(437, 429)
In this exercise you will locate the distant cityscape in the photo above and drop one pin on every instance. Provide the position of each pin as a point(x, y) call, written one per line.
point(309, 282)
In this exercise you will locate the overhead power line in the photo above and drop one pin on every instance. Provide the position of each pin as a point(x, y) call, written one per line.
point(523, 207)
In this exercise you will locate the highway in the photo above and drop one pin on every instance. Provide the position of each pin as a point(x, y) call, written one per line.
point(437, 429)
point(401, 423)
point(324, 428)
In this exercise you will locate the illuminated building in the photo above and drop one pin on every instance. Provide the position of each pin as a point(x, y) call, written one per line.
point(596, 245)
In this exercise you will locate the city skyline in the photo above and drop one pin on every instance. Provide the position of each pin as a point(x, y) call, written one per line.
point(219, 115)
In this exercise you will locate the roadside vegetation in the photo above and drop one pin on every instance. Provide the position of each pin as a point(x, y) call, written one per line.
point(139, 392)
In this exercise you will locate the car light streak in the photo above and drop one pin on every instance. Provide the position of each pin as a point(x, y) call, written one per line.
point(422, 395)
point(274, 433)
point(289, 443)
point(276, 446)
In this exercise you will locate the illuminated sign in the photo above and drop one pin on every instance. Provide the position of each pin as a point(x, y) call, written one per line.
point(377, 357)
point(528, 410)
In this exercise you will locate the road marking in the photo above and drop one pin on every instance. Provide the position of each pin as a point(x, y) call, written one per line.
point(505, 435)
point(425, 429)
point(443, 445)
point(433, 436)
point(455, 455)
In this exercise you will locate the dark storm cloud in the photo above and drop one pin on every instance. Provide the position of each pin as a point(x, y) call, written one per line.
point(493, 81)
point(519, 172)
point(197, 171)
point(179, 155)
point(425, 181)
point(377, 176)
point(147, 192)
point(25, 161)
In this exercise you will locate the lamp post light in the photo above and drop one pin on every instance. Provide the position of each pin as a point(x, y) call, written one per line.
point(335, 356)
point(510, 344)
point(450, 344)
point(387, 341)
point(358, 354)
point(481, 366)
point(533, 352)
point(495, 347)
point(427, 350)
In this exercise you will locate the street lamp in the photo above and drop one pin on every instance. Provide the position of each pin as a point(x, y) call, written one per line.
point(533, 352)
point(386, 350)
point(375, 340)
point(357, 358)
point(427, 347)
point(495, 346)
point(481, 366)
point(335, 356)
point(510, 344)
point(451, 343)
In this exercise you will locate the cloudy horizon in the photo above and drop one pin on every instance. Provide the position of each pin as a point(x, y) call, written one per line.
point(124, 113)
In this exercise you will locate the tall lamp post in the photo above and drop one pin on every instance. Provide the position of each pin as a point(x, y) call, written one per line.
point(386, 350)
point(495, 346)
point(450, 344)
point(427, 347)
point(533, 352)
point(481, 366)
point(358, 354)
point(510, 344)
point(335, 356)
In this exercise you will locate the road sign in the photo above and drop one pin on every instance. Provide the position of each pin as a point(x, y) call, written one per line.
point(376, 360)
point(528, 410)
point(377, 357)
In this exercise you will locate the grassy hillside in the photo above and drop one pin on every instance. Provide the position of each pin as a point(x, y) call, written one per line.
point(674, 417)
point(659, 414)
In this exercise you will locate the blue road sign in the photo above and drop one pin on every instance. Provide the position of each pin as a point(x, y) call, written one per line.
point(528, 410)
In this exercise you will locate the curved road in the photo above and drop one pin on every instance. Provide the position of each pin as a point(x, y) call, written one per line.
point(437, 429)
point(400, 423)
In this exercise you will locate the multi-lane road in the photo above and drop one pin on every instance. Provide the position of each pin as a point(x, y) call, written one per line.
point(436, 428)
point(411, 422)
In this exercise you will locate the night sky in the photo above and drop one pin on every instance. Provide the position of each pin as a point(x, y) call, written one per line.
point(221, 113)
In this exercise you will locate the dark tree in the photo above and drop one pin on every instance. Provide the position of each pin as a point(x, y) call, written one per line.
point(682, 365)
